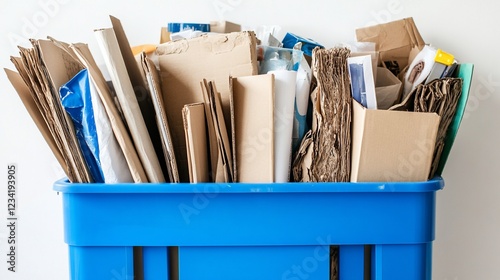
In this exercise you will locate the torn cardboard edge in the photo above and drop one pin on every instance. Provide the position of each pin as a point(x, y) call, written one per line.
point(328, 154)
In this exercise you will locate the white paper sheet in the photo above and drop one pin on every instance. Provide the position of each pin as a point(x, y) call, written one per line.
point(285, 82)
point(113, 164)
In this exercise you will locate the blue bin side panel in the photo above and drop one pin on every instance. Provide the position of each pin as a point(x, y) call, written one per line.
point(406, 261)
point(249, 231)
point(155, 263)
point(235, 219)
point(352, 262)
point(250, 263)
point(96, 263)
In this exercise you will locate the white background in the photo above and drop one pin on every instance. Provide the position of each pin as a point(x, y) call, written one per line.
point(468, 209)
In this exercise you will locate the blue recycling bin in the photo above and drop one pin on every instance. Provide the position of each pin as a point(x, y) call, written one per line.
point(240, 231)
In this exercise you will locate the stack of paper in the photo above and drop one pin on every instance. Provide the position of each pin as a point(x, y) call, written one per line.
point(440, 96)
point(130, 137)
point(48, 67)
point(221, 158)
point(44, 68)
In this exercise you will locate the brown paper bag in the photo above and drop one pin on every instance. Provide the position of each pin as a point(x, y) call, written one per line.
point(387, 88)
point(394, 41)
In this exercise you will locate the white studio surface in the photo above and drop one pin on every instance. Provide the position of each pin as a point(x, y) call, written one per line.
point(467, 224)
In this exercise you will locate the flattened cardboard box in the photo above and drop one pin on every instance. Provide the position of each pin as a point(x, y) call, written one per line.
point(254, 100)
point(392, 145)
point(185, 63)
point(196, 142)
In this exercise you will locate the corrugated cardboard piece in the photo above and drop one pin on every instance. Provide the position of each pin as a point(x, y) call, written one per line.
point(220, 150)
point(184, 63)
point(324, 154)
point(28, 101)
point(196, 142)
point(392, 145)
point(44, 68)
point(441, 96)
point(152, 76)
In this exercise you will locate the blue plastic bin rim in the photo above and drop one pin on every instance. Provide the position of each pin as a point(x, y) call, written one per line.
point(435, 184)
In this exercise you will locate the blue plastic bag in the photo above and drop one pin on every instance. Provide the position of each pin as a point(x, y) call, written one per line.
point(77, 101)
